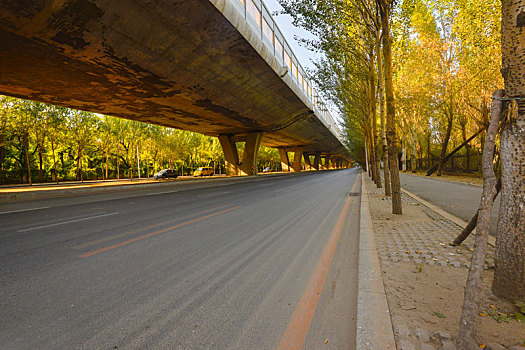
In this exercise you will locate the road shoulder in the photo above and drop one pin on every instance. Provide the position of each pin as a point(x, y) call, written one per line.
point(374, 326)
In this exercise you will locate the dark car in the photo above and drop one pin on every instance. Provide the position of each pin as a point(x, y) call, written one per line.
point(166, 173)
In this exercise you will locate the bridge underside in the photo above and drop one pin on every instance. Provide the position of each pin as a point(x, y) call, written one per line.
point(180, 64)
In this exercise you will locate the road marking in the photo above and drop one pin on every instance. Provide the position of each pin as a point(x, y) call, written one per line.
point(164, 230)
point(214, 194)
point(67, 222)
point(301, 320)
point(287, 180)
point(22, 210)
point(157, 193)
point(124, 234)
point(294, 188)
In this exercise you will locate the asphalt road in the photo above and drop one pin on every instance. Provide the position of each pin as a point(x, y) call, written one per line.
point(234, 264)
point(457, 198)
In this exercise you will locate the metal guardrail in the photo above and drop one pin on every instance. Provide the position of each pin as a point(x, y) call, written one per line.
point(261, 21)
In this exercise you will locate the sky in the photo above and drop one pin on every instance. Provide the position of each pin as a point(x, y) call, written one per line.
point(304, 55)
point(284, 22)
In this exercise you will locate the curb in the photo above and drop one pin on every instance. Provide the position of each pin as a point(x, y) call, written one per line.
point(460, 222)
point(374, 325)
point(85, 188)
point(444, 180)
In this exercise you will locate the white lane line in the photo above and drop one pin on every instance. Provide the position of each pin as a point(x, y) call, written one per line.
point(288, 180)
point(67, 222)
point(157, 193)
point(294, 188)
point(214, 194)
point(22, 210)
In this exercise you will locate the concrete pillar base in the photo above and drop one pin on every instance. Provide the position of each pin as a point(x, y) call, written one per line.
point(326, 165)
point(317, 159)
point(307, 162)
point(248, 166)
point(285, 162)
point(298, 156)
point(231, 156)
point(251, 149)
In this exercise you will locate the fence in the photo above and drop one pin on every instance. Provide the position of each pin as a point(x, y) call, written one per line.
point(456, 163)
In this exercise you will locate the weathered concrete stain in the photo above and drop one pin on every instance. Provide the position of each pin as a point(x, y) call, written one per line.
point(180, 64)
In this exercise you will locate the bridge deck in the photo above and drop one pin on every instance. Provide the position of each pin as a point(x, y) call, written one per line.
point(196, 65)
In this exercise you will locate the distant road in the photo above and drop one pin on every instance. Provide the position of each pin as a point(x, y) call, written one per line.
point(211, 265)
point(457, 198)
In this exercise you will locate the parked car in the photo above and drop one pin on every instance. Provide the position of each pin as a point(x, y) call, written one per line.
point(266, 170)
point(203, 171)
point(166, 173)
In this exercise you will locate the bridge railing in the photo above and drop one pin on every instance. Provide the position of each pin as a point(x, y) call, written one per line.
point(261, 21)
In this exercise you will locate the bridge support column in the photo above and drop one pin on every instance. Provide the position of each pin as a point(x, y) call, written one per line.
point(297, 158)
point(251, 149)
point(326, 165)
point(317, 158)
point(307, 162)
point(285, 162)
point(231, 156)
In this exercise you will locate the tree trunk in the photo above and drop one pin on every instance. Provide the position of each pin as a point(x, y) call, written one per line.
point(118, 163)
point(381, 88)
point(485, 120)
point(78, 163)
point(40, 162)
point(147, 163)
point(413, 156)
point(107, 161)
point(2, 154)
point(445, 142)
point(390, 109)
point(373, 117)
point(509, 274)
point(473, 222)
point(26, 147)
point(54, 160)
point(467, 325)
point(428, 149)
point(131, 164)
point(138, 162)
point(370, 156)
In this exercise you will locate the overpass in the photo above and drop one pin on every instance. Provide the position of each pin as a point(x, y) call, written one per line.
point(218, 67)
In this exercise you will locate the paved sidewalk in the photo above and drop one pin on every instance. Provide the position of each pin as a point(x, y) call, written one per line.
point(424, 277)
point(459, 199)
point(425, 240)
